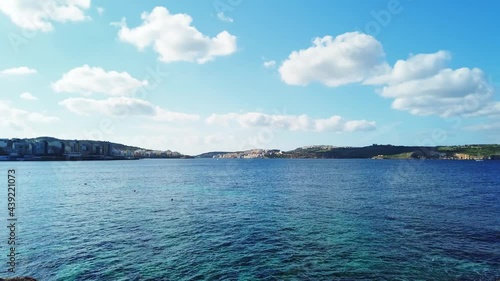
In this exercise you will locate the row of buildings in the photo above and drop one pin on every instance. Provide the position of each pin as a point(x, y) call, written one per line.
point(46, 148)
point(143, 153)
point(42, 147)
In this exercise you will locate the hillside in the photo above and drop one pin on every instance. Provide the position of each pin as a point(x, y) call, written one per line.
point(356, 152)
point(464, 152)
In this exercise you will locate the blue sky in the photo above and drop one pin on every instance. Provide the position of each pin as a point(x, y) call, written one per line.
point(239, 74)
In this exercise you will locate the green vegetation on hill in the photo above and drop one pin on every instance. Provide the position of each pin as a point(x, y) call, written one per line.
point(358, 152)
point(406, 155)
point(475, 150)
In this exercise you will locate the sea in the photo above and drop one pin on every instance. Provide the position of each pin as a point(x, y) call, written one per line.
point(253, 219)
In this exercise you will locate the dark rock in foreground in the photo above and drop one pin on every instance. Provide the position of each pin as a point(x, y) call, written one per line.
point(18, 279)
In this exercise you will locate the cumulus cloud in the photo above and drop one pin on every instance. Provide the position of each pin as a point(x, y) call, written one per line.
point(415, 67)
point(124, 107)
point(270, 64)
point(20, 119)
point(22, 70)
point(290, 122)
point(423, 85)
point(28, 96)
point(359, 125)
point(222, 17)
point(39, 15)
point(174, 38)
point(88, 80)
point(491, 109)
point(347, 58)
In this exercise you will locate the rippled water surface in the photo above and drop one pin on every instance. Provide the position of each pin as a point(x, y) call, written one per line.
point(267, 219)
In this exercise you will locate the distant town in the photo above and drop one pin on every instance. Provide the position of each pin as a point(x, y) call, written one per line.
point(52, 149)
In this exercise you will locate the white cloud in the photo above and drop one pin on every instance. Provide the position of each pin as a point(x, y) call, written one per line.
point(270, 64)
point(124, 107)
point(116, 106)
point(222, 17)
point(39, 15)
point(415, 67)
point(420, 84)
point(28, 96)
point(291, 122)
point(491, 109)
point(22, 70)
point(423, 86)
point(447, 93)
point(345, 59)
point(359, 125)
point(174, 38)
point(100, 10)
point(88, 80)
point(19, 119)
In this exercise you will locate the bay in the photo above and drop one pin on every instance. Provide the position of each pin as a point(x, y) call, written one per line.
point(256, 219)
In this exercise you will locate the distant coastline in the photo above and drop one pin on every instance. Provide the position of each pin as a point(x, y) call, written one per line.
point(375, 151)
point(53, 149)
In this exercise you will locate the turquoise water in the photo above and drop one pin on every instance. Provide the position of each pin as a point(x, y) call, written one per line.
point(267, 219)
